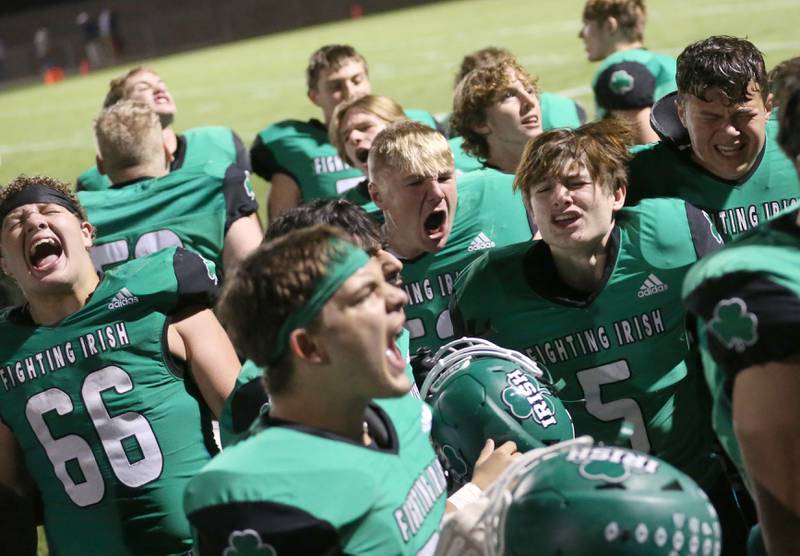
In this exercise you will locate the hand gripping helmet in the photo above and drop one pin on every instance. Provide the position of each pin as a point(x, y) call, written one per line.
point(477, 391)
point(578, 498)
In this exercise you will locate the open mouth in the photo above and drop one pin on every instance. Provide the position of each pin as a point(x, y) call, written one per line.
point(362, 154)
point(565, 219)
point(531, 121)
point(393, 355)
point(435, 220)
point(730, 150)
point(44, 254)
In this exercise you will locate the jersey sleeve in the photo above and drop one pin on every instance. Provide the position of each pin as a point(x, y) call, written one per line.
point(705, 237)
point(240, 199)
point(750, 320)
point(196, 279)
point(268, 528)
point(242, 156)
point(264, 162)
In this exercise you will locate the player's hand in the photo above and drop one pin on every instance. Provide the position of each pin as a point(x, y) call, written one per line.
point(492, 462)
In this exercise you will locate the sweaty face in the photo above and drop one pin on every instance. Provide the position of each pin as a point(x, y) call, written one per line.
point(147, 87)
point(339, 84)
point(726, 138)
point(357, 130)
point(44, 248)
point(574, 212)
point(359, 327)
point(419, 210)
point(515, 117)
point(596, 39)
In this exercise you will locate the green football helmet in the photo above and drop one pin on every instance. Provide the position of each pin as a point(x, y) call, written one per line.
point(478, 390)
point(578, 498)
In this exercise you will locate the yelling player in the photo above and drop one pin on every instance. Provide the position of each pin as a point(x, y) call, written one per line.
point(596, 300)
point(194, 147)
point(105, 382)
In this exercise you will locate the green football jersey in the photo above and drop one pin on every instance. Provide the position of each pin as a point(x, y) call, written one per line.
point(248, 398)
point(192, 207)
point(662, 170)
point(196, 147)
point(109, 427)
point(748, 299)
point(302, 151)
point(488, 214)
point(291, 489)
point(622, 351)
point(662, 67)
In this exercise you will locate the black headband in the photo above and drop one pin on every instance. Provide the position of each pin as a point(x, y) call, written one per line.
point(37, 194)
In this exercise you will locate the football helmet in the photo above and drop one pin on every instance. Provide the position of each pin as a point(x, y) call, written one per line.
point(478, 390)
point(577, 498)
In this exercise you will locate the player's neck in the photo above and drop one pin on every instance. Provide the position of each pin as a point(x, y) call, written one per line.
point(170, 139)
point(626, 45)
point(50, 309)
point(583, 269)
point(147, 170)
point(394, 239)
point(506, 157)
point(318, 409)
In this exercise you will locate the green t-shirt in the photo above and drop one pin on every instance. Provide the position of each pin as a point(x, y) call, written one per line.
point(196, 147)
point(747, 297)
point(622, 351)
point(488, 214)
point(110, 428)
point(291, 489)
point(662, 67)
point(302, 151)
point(662, 170)
point(192, 207)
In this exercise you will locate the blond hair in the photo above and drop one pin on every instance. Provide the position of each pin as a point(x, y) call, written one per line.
point(383, 107)
point(128, 134)
point(408, 147)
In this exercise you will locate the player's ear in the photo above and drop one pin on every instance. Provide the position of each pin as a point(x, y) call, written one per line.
point(619, 196)
point(98, 160)
point(87, 233)
point(483, 129)
point(769, 103)
point(611, 25)
point(305, 346)
point(681, 105)
point(313, 96)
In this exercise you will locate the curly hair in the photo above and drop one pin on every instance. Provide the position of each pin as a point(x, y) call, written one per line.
point(270, 284)
point(602, 147)
point(23, 182)
point(728, 63)
point(487, 56)
point(480, 89)
point(631, 15)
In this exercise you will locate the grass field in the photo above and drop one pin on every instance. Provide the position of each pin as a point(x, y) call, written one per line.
point(413, 54)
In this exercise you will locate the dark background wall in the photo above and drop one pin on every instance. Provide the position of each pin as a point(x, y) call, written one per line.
point(156, 27)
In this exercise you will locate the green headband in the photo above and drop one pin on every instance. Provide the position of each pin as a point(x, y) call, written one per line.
point(346, 260)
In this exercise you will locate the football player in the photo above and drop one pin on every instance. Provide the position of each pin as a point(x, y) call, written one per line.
point(597, 300)
point(626, 90)
point(613, 32)
point(748, 299)
point(209, 208)
point(296, 156)
point(342, 462)
point(194, 147)
point(434, 227)
point(105, 382)
point(718, 148)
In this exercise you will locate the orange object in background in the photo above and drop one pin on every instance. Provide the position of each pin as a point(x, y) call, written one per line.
point(53, 75)
point(84, 66)
point(356, 11)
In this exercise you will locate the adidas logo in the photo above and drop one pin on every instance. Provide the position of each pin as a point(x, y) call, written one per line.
point(652, 285)
point(481, 241)
point(123, 298)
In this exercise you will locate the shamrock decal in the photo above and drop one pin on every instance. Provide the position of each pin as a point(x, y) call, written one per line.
point(455, 463)
point(620, 82)
point(608, 471)
point(516, 402)
point(247, 543)
point(734, 325)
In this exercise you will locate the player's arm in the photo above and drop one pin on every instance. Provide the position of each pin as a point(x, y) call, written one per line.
point(284, 194)
point(766, 413)
point(254, 525)
point(18, 500)
point(243, 231)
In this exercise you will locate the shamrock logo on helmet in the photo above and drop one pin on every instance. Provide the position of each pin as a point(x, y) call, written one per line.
point(247, 543)
point(525, 399)
point(621, 82)
point(454, 463)
point(517, 403)
point(734, 325)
